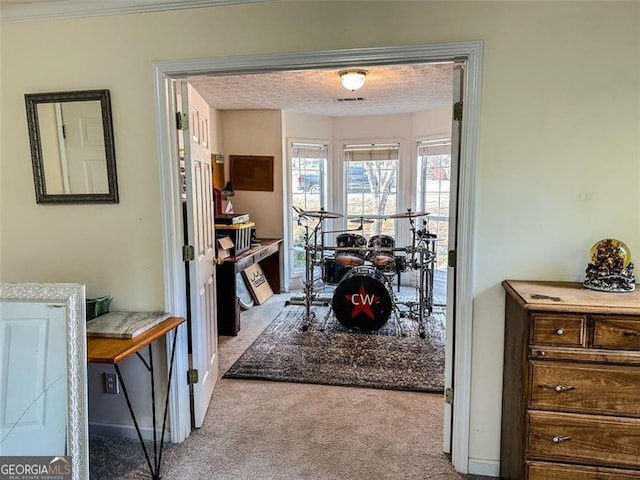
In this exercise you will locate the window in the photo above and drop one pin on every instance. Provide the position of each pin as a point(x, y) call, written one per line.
point(371, 171)
point(434, 172)
point(308, 192)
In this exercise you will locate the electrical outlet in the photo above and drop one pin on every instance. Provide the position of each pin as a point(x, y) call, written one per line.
point(111, 383)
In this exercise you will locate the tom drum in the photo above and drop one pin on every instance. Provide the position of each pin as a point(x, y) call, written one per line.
point(332, 271)
point(354, 256)
point(377, 255)
point(363, 299)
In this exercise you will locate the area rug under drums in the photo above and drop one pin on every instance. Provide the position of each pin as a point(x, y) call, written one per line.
point(327, 353)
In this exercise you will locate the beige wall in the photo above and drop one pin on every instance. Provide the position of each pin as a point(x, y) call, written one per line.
point(256, 132)
point(558, 168)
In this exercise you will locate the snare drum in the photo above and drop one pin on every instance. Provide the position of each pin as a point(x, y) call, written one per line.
point(379, 257)
point(363, 299)
point(332, 271)
point(350, 258)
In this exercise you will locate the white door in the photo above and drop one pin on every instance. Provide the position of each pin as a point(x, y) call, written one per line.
point(201, 236)
point(458, 75)
point(84, 150)
point(33, 379)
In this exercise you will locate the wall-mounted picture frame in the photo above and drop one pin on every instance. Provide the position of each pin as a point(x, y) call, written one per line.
point(251, 172)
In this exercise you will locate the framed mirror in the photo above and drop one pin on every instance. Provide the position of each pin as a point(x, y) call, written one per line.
point(43, 376)
point(72, 147)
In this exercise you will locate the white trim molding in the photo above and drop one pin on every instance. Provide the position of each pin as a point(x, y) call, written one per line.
point(63, 10)
point(116, 430)
point(174, 286)
point(487, 468)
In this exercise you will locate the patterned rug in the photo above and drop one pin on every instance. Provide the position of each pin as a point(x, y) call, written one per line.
point(393, 357)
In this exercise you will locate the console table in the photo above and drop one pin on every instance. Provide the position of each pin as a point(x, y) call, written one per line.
point(268, 255)
point(114, 350)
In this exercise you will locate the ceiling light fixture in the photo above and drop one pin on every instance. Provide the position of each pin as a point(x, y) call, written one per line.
point(352, 79)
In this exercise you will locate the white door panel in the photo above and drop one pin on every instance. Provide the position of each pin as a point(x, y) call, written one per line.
point(84, 147)
point(201, 235)
point(33, 380)
point(458, 76)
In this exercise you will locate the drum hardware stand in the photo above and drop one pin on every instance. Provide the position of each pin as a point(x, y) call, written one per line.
point(420, 256)
point(311, 237)
point(397, 314)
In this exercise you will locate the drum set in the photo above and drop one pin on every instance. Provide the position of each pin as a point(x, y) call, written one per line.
point(363, 272)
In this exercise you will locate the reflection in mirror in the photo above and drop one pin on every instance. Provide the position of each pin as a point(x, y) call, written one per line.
point(72, 147)
point(43, 373)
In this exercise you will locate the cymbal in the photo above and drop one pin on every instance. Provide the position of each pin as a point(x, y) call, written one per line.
point(407, 214)
point(361, 220)
point(320, 214)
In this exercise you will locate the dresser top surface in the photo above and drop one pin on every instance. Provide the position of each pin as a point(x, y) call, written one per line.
point(571, 297)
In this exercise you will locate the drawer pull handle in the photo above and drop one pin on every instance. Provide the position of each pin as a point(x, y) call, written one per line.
point(560, 331)
point(559, 387)
point(558, 439)
point(631, 334)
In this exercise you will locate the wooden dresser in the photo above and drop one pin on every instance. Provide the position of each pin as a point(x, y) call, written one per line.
point(571, 385)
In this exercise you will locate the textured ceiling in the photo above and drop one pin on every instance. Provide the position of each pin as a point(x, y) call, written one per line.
point(387, 90)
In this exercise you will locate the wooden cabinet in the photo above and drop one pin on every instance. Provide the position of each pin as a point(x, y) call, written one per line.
point(228, 309)
point(571, 385)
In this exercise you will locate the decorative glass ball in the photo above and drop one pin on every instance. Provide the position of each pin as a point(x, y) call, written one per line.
point(610, 268)
point(610, 256)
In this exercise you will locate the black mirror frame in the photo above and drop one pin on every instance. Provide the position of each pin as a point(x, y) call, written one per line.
point(32, 100)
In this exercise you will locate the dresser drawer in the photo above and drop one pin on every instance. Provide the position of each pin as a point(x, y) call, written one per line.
point(593, 439)
point(616, 332)
point(558, 329)
point(552, 471)
point(585, 387)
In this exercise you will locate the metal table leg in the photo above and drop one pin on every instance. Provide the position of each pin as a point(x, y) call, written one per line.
point(157, 446)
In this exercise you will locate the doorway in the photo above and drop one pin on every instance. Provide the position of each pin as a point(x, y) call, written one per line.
point(174, 276)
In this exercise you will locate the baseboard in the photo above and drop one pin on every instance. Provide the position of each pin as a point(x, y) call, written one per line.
point(125, 431)
point(480, 466)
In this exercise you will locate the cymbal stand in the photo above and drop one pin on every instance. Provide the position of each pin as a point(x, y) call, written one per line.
point(412, 227)
point(428, 246)
point(311, 248)
point(422, 259)
point(310, 252)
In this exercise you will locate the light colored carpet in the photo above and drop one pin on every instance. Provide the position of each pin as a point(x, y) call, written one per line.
point(261, 430)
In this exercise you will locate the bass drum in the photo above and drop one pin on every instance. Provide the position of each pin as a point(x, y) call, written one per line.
point(332, 271)
point(363, 299)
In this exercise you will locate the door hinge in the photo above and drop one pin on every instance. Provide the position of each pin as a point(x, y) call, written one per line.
point(448, 396)
point(452, 259)
point(188, 253)
point(457, 111)
point(192, 376)
point(182, 121)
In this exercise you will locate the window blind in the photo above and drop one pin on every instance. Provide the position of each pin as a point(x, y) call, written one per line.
point(371, 152)
point(301, 150)
point(434, 147)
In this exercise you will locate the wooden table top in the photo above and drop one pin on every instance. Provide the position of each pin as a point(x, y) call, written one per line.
point(572, 297)
point(114, 350)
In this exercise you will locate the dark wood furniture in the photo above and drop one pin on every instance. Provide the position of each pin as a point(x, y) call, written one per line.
point(571, 385)
point(268, 254)
point(113, 351)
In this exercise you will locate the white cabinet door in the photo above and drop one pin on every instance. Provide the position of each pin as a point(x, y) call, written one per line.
point(33, 379)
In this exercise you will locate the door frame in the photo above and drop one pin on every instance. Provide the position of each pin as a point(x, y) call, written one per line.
point(174, 277)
